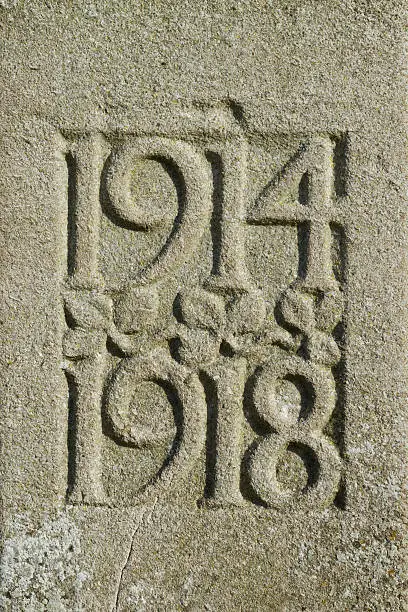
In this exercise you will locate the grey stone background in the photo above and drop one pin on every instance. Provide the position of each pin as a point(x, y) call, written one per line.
point(277, 74)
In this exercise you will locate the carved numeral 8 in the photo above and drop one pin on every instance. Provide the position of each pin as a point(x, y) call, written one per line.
point(301, 433)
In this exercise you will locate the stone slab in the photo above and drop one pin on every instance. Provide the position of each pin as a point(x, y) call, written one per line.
point(203, 364)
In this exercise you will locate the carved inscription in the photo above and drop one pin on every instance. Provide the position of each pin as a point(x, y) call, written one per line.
point(247, 386)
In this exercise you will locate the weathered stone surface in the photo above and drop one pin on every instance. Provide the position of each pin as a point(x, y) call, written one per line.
point(203, 307)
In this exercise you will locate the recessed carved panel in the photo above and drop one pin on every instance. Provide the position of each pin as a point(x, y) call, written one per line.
point(205, 312)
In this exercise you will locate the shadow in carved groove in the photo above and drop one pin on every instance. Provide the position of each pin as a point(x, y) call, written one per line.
point(337, 424)
point(176, 309)
point(217, 171)
point(304, 187)
point(340, 160)
point(72, 430)
point(210, 391)
point(338, 252)
point(113, 349)
point(71, 221)
point(303, 231)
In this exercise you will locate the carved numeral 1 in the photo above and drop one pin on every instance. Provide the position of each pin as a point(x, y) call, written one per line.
point(229, 272)
point(86, 161)
point(86, 486)
point(319, 273)
point(229, 380)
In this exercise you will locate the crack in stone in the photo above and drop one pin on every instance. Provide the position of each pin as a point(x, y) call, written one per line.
point(126, 564)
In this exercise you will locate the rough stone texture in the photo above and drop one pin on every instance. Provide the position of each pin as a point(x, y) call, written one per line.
point(203, 364)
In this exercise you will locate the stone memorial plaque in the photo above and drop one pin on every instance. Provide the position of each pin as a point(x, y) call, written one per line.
point(203, 305)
